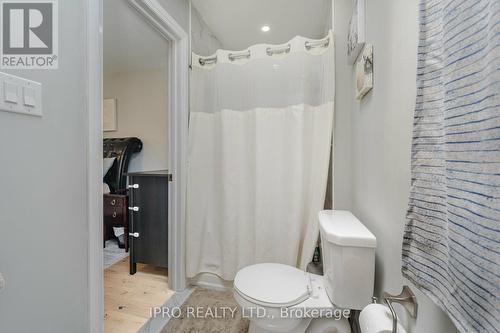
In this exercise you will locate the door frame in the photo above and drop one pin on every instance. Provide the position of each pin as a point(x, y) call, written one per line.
point(178, 64)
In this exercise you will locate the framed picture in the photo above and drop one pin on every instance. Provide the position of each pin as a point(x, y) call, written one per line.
point(364, 72)
point(109, 122)
point(356, 37)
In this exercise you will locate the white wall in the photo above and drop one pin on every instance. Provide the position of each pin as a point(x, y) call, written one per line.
point(381, 131)
point(142, 112)
point(203, 41)
point(43, 226)
point(342, 118)
point(179, 10)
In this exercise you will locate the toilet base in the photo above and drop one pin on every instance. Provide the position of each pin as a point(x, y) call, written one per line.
point(321, 325)
point(300, 328)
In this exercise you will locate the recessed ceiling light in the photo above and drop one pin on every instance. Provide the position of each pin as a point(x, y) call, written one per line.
point(265, 28)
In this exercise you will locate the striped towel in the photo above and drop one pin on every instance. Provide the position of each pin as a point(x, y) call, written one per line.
point(451, 242)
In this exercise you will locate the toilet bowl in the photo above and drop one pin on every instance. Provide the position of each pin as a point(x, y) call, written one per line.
point(282, 298)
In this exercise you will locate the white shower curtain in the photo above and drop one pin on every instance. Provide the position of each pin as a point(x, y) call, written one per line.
point(259, 150)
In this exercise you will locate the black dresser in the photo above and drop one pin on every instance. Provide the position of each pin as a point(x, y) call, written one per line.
point(148, 218)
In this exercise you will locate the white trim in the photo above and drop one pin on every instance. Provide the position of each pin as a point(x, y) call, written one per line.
point(157, 323)
point(178, 127)
point(156, 15)
point(190, 34)
point(332, 157)
point(333, 16)
point(94, 164)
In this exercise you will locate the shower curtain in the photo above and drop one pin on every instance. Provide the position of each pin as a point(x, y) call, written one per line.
point(259, 148)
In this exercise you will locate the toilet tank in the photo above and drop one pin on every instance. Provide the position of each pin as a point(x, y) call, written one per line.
point(348, 259)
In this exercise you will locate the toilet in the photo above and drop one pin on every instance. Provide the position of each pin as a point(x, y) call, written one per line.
point(282, 298)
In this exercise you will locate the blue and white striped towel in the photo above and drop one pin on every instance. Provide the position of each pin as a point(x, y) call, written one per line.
point(451, 243)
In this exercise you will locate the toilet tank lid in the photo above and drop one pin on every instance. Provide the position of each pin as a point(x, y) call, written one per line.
point(341, 227)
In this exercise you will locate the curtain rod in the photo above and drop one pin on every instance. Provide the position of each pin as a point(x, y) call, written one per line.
point(278, 50)
point(235, 56)
point(320, 43)
point(269, 51)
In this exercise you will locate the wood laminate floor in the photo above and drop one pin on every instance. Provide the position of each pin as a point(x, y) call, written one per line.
point(128, 298)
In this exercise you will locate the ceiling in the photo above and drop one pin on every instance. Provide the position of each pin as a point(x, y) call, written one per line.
point(130, 44)
point(237, 23)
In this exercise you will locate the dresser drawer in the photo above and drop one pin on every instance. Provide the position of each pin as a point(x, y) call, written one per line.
point(114, 216)
point(150, 222)
point(114, 201)
point(115, 209)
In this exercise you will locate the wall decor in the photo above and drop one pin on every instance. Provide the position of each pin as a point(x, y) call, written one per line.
point(109, 119)
point(364, 72)
point(356, 36)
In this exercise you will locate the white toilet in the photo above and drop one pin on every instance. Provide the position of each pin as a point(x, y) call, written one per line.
point(282, 298)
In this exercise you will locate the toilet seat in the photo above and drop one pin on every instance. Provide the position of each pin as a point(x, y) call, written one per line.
point(273, 285)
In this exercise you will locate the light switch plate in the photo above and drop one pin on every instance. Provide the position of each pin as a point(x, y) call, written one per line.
point(29, 96)
point(2, 282)
point(10, 92)
point(19, 95)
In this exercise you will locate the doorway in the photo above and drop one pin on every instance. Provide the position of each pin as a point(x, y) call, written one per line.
point(155, 15)
point(135, 141)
